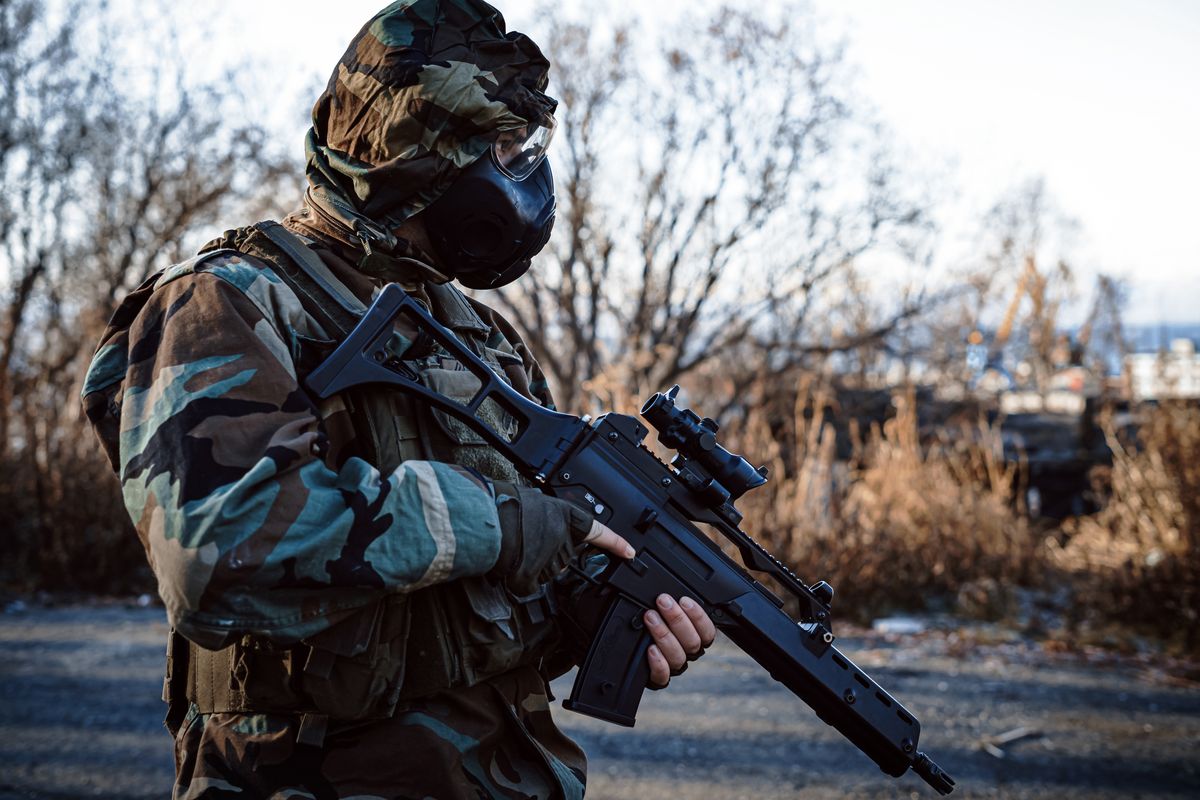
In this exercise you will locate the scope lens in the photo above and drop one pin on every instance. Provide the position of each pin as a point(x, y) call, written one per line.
point(650, 404)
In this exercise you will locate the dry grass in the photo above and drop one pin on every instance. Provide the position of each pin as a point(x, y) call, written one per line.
point(904, 522)
point(1138, 559)
point(909, 520)
point(63, 525)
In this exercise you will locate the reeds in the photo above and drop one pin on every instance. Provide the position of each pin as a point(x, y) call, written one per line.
point(905, 522)
point(1138, 559)
point(935, 519)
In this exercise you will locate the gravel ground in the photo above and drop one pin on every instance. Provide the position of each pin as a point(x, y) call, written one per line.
point(80, 717)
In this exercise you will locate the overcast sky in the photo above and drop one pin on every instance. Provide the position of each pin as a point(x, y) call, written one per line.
point(1096, 96)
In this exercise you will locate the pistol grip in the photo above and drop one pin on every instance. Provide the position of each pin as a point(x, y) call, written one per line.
point(614, 674)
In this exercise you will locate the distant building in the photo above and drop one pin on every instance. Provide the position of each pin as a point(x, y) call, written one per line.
point(1170, 374)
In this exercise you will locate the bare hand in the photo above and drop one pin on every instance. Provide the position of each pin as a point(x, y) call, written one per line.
point(605, 538)
point(681, 632)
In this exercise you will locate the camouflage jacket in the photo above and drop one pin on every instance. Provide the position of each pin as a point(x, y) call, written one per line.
point(253, 517)
point(250, 503)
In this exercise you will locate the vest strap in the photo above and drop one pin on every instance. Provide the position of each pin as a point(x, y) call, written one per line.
point(350, 306)
point(454, 310)
point(176, 681)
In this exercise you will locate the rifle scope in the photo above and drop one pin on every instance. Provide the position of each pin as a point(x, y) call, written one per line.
point(682, 430)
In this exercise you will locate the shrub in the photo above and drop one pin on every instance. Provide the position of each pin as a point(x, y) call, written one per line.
point(903, 523)
point(1138, 559)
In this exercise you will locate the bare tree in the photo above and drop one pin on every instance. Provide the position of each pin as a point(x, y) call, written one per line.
point(1100, 343)
point(40, 135)
point(714, 185)
point(1012, 290)
point(110, 174)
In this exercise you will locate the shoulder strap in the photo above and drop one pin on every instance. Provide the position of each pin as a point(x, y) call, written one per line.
point(337, 310)
point(306, 274)
point(452, 308)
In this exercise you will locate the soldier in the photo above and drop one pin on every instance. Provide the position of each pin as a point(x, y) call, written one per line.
point(358, 587)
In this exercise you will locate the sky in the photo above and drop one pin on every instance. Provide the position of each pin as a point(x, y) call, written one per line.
point(1097, 97)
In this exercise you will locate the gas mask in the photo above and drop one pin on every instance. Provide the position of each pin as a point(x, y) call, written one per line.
point(498, 213)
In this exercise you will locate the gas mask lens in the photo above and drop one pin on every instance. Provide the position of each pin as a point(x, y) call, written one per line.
point(517, 152)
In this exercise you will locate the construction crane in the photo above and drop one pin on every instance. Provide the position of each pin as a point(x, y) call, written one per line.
point(1107, 304)
point(1041, 322)
point(981, 358)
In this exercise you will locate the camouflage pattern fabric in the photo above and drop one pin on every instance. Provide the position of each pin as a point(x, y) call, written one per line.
point(494, 740)
point(251, 505)
point(419, 95)
point(221, 469)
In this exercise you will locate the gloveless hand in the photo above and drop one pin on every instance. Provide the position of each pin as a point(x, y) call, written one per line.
point(680, 628)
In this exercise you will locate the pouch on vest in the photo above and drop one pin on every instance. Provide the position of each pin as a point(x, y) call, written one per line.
point(457, 441)
point(355, 670)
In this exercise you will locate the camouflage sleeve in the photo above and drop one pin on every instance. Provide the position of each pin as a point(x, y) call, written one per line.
point(247, 529)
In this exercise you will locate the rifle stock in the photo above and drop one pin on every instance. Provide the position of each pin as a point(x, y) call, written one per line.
point(604, 466)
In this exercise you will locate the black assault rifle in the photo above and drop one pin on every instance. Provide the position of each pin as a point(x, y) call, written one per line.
point(602, 465)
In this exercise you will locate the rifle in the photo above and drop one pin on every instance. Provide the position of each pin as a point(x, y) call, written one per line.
point(602, 465)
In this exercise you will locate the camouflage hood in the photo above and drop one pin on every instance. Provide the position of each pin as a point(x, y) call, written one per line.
point(420, 94)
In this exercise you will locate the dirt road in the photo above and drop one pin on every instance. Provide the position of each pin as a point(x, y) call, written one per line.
point(80, 717)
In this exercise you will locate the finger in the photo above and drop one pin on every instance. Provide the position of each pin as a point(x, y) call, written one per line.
point(660, 670)
point(704, 624)
point(610, 541)
point(668, 645)
point(680, 623)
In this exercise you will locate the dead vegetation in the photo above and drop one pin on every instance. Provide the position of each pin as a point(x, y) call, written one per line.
point(919, 522)
point(1138, 560)
point(904, 521)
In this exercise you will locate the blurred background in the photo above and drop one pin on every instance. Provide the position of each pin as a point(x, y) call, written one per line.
point(934, 263)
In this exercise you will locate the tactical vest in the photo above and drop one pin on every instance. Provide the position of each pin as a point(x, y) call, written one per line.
point(404, 646)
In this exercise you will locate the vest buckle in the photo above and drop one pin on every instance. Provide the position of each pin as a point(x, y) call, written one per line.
point(537, 607)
